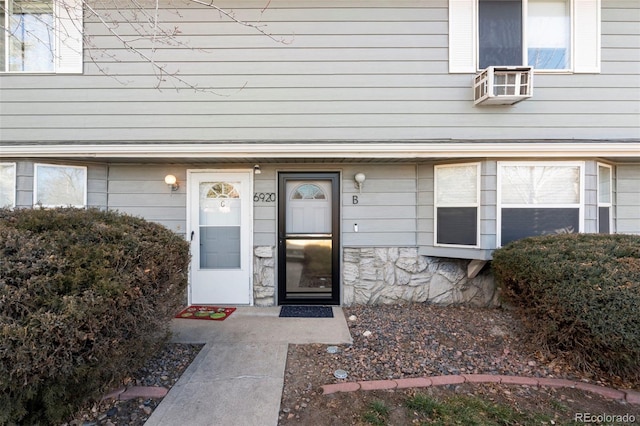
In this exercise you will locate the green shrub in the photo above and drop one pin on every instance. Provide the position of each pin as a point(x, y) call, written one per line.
point(85, 298)
point(579, 294)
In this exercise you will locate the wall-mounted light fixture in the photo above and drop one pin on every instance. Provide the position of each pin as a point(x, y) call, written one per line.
point(256, 169)
point(172, 182)
point(359, 178)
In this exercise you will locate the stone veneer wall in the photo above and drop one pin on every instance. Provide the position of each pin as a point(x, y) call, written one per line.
point(395, 275)
point(390, 275)
point(264, 276)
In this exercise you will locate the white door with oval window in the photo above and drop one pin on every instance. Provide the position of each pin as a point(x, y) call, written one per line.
point(219, 226)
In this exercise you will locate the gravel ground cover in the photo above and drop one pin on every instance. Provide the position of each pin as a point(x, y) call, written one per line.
point(418, 340)
point(390, 342)
point(163, 369)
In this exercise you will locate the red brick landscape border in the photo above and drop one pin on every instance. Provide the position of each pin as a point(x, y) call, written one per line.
point(123, 394)
point(630, 396)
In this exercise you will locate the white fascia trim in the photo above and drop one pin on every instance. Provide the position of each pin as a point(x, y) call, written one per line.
point(329, 150)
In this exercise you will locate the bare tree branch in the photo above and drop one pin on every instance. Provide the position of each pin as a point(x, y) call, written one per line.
point(231, 15)
point(145, 22)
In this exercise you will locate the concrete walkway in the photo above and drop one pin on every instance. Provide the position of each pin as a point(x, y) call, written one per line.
point(237, 378)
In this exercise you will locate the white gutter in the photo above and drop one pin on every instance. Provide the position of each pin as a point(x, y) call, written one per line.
point(328, 150)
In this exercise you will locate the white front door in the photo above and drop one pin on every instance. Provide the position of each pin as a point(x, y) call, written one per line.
point(220, 219)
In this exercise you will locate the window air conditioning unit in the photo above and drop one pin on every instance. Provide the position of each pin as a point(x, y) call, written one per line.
point(503, 85)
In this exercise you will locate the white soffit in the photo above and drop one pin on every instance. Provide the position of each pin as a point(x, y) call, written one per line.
point(329, 150)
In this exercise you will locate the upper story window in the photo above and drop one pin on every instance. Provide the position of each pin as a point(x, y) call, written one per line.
point(536, 33)
point(7, 185)
point(548, 35)
point(60, 186)
point(41, 36)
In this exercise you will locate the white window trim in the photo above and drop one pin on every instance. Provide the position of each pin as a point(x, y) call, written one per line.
point(68, 39)
point(500, 205)
point(13, 184)
point(35, 185)
point(610, 203)
point(585, 37)
point(477, 204)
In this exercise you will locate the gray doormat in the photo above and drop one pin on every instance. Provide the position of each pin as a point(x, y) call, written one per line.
point(291, 311)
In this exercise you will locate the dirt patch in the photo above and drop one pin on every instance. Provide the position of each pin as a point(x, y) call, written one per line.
point(402, 341)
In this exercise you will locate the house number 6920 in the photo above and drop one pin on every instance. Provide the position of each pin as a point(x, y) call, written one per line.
point(265, 197)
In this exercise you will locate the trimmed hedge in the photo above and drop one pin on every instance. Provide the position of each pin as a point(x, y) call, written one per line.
point(85, 298)
point(579, 294)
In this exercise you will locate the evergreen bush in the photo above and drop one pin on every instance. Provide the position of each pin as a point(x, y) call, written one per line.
point(85, 298)
point(579, 294)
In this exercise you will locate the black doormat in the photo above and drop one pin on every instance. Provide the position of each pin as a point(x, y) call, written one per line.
point(290, 311)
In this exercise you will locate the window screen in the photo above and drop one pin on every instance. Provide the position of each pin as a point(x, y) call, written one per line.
point(500, 33)
point(529, 222)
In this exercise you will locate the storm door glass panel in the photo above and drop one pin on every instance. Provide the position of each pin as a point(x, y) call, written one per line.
point(220, 214)
point(309, 266)
point(308, 239)
point(549, 34)
point(500, 33)
point(309, 208)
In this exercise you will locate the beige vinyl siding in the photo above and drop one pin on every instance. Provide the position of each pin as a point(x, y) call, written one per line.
point(97, 185)
point(488, 199)
point(627, 191)
point(425, 199)
point(264, 212)
point(385, 211)
point(386, 208)
point(140, 190)
point(345, 70)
